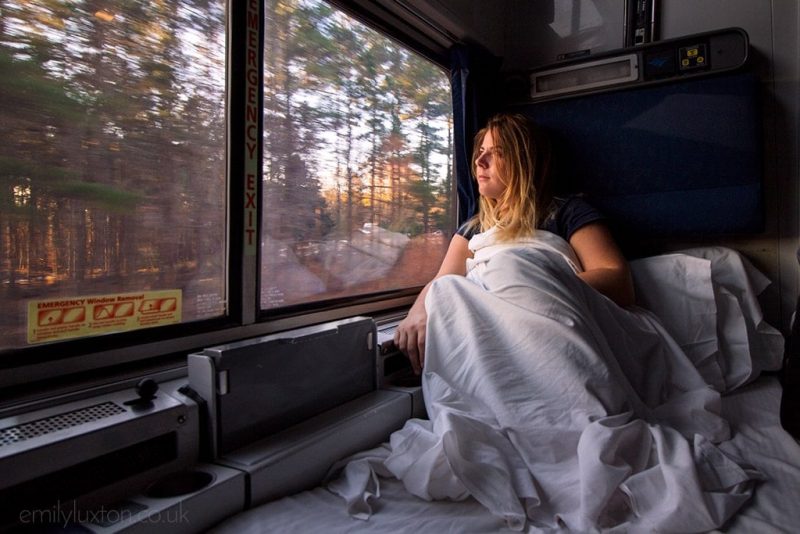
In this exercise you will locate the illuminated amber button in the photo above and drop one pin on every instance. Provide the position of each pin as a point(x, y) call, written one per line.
point(700, 59)
point(685, 62)
point(692, 52)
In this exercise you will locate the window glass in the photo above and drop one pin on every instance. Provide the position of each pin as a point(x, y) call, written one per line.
point(112, 166)
point(358, 190)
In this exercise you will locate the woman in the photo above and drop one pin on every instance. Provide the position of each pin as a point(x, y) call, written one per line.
point(511, 164)
point(549, 401)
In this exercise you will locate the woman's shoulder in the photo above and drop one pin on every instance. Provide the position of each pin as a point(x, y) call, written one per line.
point(574, 201)
point(567, 214)
point(468, 228)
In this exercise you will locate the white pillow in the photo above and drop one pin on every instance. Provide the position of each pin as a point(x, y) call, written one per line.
point(707, 299)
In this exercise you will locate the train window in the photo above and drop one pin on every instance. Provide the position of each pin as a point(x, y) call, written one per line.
point(358, 195)
point(112, 167)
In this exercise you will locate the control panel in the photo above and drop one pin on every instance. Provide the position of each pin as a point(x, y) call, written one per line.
point(655, 62)
point(693, 57)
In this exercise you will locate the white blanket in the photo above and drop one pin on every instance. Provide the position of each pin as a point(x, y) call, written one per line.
point(554, 408)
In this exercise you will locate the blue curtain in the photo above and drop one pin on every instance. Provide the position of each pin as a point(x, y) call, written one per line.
point(474, 77)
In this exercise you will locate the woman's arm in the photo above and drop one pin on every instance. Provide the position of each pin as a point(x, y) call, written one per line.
point(604, 266)
point(409, 337)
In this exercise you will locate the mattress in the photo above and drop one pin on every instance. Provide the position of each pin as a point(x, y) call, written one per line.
point(689, 362)
point(758, 440)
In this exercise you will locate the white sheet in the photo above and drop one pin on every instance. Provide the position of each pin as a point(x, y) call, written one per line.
point(757, 439)
point(553, 408)
point(707, 299)
point(760, 440)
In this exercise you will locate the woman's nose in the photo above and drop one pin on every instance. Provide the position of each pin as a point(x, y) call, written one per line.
point(482, 160)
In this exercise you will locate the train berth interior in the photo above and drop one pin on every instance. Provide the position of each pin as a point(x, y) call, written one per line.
point(706, 297)
point(543, 406)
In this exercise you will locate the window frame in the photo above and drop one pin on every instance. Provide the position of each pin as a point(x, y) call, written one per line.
point(114, 360)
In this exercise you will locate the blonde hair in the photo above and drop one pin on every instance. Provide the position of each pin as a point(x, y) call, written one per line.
point(524, 167)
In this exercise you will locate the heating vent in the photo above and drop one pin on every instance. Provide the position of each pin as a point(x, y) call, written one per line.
point(40, 427)
point(49, 497)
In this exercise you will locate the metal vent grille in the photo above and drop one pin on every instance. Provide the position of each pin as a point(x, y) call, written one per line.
point(40, 427)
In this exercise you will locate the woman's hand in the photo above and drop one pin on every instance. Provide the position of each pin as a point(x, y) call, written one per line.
point(409, 338)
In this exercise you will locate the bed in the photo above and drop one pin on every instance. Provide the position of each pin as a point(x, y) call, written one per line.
point(722, 288)
point(551, 409)
point(758, 437)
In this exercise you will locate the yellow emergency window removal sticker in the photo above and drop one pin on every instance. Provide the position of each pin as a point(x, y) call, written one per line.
point(72, 317)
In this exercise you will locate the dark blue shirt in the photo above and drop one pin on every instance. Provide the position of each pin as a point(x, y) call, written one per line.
point(565, 218)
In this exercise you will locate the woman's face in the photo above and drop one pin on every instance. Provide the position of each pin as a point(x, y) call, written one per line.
point(488, 163)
